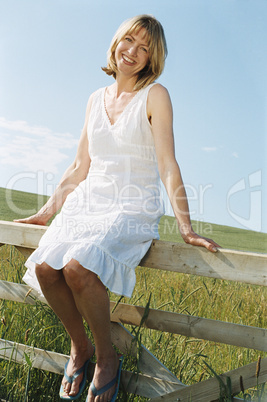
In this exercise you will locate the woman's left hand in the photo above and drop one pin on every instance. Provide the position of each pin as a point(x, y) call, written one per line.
point(195, 240)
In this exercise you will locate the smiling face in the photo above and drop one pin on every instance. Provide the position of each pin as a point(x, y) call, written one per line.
point(139, 48)
point(132, 53)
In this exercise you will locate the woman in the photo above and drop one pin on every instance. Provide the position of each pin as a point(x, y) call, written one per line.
point(111, 204)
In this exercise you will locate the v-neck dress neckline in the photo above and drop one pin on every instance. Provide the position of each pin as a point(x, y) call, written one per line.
point(105, 112)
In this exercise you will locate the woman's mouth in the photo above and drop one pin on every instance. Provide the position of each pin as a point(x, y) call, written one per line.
point(127, 59)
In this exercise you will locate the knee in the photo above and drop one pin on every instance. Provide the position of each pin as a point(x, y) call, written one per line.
point(46, 275)
point(77, 277)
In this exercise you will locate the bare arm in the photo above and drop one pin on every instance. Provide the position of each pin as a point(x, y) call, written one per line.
point(75, 173)
point(161, 116)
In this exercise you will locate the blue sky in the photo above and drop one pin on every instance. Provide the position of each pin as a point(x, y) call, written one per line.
point(51, 54)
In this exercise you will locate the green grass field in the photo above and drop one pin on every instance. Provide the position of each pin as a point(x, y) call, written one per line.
point(188, 294)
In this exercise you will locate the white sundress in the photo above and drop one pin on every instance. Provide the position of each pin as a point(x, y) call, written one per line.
point(108, 222)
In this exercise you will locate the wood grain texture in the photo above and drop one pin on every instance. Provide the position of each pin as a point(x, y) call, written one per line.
point(209, 390)
point(191, 326)
point(142, 385)
point(231, 265)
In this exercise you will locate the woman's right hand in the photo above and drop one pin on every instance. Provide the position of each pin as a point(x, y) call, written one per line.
point(36, 219)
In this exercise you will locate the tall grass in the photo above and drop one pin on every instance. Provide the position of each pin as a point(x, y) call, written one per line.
point(189, 359)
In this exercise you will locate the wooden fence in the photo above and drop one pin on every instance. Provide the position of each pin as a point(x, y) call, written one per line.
point(156, 381)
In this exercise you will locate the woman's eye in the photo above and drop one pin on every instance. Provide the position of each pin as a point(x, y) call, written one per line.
point(128, 39)
point(144, 49)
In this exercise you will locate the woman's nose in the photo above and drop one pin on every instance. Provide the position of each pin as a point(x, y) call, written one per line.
point(133, 50)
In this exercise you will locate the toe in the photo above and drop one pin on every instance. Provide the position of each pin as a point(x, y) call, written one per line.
point(66, 386)
point(74, 388)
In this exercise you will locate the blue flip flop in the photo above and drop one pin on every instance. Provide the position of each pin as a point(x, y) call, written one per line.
point(70, 379)
point(106, 387)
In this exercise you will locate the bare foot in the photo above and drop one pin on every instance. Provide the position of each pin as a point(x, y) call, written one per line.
point(105, 370)
point(77, 360)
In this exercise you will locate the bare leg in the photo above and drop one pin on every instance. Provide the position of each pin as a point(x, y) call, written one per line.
point(92, 301)
point(60, 298)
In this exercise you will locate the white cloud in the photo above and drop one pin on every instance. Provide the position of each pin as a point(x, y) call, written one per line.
point(209, 149)
point(33, 148)
point(235, 155)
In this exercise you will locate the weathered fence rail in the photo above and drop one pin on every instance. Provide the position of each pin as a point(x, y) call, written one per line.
point(156, 381)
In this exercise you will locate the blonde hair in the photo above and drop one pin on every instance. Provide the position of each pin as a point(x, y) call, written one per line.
point(156, 43)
